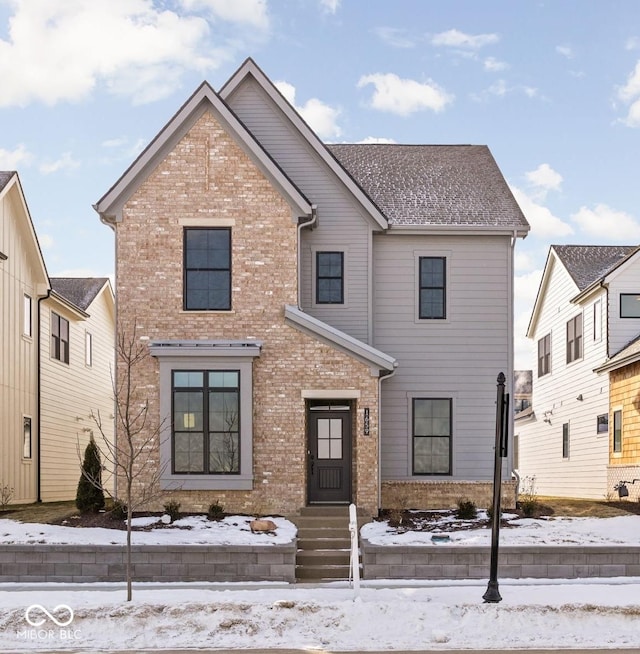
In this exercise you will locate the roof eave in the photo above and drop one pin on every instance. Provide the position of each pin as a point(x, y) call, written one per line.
point(499, 230)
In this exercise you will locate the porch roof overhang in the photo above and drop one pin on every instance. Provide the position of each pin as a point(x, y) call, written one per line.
point(376, 359)
point(205, 348)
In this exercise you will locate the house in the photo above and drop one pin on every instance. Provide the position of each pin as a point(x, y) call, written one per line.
point(326, 323)
point(522, 390)
point(24, 282)
point(585, 315)
point(77, 360)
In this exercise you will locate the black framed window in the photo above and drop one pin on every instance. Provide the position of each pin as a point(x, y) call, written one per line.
point(544, 355)
point(59, 338)
point(26, 437)
point(433, 288)
point(617, 431)
point(574, 338)
point(330, 277)
point(602, 424)
point(565, 440)
point(432, 436)
point(629, 305)
point(207, 269)
point(206, 422)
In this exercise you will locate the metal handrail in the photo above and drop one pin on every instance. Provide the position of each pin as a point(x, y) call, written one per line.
point(354, 561)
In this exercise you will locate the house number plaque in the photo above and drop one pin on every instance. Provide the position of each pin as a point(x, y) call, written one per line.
point(366, 421)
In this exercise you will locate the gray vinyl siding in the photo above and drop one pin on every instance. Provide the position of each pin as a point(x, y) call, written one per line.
point(341, 224)
point(459, 357)
point(623, 330)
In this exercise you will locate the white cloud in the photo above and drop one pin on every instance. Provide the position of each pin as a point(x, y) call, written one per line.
point(544, 178)
point(500, 89)
point(65, 162)
point(395, 37)
point(404, 96)
point(630, 93)
point(457, 39)
point(493, 65)
point(15, 159)
point(565, 51)
point(62, 50)
point(632, 43)
point(253, 12)
point(523, 260)
point(46, 241)
point(606, 223)
point(525, 291)
point(543, 222)
point(321, 117)
point(330, 6)
point(376, 139)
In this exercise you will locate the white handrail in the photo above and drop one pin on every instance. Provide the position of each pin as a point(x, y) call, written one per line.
point(354, 562)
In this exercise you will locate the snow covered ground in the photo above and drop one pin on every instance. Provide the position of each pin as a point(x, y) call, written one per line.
point(577, 614)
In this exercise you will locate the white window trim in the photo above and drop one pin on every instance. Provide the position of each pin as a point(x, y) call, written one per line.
point(88, 349)
point(597, 321)
point(27, 321)
point(30, 457)
point(447, 256)
point(620, 454)
point(345, 276)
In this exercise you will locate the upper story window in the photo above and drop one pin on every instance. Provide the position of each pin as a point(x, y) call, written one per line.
point(629, 305)
point(207, 269)
point(544, 355)
point(574, 338)
point(59, 338)
point(27, 316)
point(432, 288)
point(329, 277)
point(26, 437)
point(597, 320)
point(432, 436)
point(88, 349)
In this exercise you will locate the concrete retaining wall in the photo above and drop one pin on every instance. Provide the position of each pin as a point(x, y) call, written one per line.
point(87, 563)
point(515, 562)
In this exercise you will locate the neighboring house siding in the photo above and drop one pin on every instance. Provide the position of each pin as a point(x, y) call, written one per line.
point(20, 273)
point(555, 398)
point(459, 357)
point(625, 389)
point(623, 330)
point(341, 225)
point(71, 392)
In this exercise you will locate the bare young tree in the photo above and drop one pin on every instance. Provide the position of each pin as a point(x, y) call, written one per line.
point(134, 454)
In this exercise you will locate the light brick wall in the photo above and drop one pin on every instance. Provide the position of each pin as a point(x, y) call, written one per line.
point(207, 175)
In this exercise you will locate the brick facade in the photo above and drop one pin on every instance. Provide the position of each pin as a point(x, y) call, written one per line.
point(207, 179)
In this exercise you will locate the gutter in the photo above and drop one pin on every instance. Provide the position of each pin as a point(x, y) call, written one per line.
point(380, 380)
point(306, 223)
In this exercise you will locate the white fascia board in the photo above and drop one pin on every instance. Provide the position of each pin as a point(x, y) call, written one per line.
point(249, 67)
point(339, 339)
point(109, 207)
point(467, 230)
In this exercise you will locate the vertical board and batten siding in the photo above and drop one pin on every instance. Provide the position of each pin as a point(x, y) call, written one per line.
point(623, 330)
point(71, 392)
point(341, 225)
point(583, 473)
point(459, 357)
point(19, 274)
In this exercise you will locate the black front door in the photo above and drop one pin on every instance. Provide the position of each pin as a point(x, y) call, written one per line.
point(329, 456)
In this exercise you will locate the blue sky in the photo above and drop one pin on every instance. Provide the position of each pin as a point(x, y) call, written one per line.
point(553, 88)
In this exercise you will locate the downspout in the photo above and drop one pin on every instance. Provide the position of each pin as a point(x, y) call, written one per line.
point(510, 353)
point(39, 399)
point(380, 380)
point(306, 223)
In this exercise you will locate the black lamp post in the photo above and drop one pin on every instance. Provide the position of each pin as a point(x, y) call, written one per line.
point(492, 593)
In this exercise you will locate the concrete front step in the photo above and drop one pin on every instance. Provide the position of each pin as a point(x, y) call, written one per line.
point(309, 533)
point(309, 573)
point(325, 510)
point(317, 558)
point(323, 543)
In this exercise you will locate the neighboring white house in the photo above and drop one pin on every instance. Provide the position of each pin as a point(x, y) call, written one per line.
point(77, 330)
point(23, 281)
point(587, 309)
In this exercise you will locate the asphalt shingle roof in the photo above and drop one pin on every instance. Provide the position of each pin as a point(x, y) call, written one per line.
point(432, 184)
point(80, 291)
point(589, 263)
point(5, 176)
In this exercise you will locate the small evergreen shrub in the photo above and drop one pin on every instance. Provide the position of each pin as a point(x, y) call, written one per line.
point(215, 511)
point(90, 496)
point(118, 511)
point(467, 510)
point(172, 509)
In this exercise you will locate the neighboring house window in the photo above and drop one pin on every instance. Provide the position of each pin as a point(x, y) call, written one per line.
point(602, 423)
point(617, 431)
point(59, 338)
point(520, 404)
point(597, 320)
point(206, 422)
point(574, 338)
point(329, 277)
point(432, 288)
point(544, 355)
point(432, 436)
point(629, 305)
point(207, 269)
point(27, 316)
point(565, 440)
point(88, 349)
point(26, 437)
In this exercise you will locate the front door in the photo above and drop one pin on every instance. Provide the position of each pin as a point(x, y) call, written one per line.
point(329, 456)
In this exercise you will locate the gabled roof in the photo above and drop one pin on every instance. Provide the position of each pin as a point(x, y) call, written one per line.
point(439, 185)
point(5, 176)
point(629, 354)
point(79, 291)
point(204, 98)
point(587, 264)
